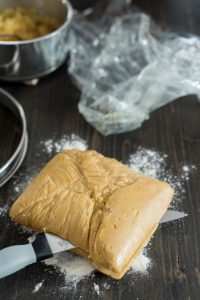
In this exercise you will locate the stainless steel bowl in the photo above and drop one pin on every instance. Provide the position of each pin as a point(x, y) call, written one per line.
point(25, 60)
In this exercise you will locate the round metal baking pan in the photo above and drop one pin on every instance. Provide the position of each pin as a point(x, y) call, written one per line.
point(14, 162)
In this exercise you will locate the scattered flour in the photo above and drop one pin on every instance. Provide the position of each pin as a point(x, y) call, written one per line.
point(186, 171)
point(106, 286)
point(52, 146)
point(141, 264)
point(4, 210)
point(38, 287)
point(96, 288)
point(153, 164)
point(149, 162)
point(17, 189)
point(73, 266)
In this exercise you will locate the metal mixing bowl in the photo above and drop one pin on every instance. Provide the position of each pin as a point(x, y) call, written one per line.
point(25, 60)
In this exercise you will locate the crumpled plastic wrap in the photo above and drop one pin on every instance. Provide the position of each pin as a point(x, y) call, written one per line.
point(126, 67)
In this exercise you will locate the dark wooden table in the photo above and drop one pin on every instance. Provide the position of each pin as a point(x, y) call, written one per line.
point(51, 109)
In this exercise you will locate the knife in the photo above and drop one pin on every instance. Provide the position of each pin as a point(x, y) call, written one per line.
point(172, 215)
point(44, 246)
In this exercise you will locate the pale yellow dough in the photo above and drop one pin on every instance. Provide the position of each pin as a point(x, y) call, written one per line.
point(98, 204)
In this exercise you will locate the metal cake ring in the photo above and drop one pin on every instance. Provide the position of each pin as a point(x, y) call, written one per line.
point(15, 161)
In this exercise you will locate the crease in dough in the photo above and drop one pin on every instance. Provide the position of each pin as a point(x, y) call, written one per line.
point(107, 210)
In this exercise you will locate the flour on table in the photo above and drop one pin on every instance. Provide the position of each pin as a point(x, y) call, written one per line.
point(141, 264)
point(148, 162)
point(106, 286)
point(186, 171)
point(17, 189)
point(96, 288)
point(4, 210)
point(75, 268)
point(72, 266)
point(53, 146)
point(154, 164)
point(38, 287)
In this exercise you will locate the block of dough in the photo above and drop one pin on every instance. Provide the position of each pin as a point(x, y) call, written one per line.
point(107, 210)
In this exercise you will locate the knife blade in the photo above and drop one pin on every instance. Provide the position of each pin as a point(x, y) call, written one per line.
point(172, 215)
point(57, 244)
point(44, 245)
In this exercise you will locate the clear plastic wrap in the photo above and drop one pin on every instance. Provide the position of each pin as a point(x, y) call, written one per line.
point(126, 67)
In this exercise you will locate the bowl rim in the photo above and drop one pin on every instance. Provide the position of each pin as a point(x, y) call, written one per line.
point(68, 19)
point(8, 169)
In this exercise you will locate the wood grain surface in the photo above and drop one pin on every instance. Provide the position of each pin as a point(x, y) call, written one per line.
point(51, 110)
